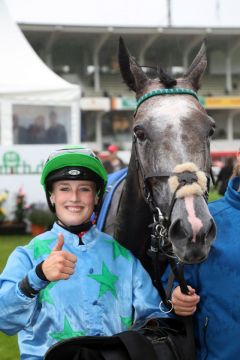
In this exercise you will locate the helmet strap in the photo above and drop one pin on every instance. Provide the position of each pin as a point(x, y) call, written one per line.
point(76, 229)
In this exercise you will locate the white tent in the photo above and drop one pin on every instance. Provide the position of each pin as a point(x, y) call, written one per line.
point(25, 79)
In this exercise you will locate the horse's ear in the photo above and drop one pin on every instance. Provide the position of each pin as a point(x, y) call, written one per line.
point(197, 68)
point(131, 72)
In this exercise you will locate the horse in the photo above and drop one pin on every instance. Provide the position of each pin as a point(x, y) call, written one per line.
point(168, 173)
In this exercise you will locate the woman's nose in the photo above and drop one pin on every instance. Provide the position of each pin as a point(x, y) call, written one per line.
point(75, 195)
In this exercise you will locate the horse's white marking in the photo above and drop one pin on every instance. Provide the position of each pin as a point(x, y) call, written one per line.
point(195, 222)
point(171, 111)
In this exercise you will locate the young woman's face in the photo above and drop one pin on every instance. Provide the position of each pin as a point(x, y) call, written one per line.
point(74, 200)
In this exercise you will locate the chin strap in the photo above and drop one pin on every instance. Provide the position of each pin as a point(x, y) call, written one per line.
point(77, 229)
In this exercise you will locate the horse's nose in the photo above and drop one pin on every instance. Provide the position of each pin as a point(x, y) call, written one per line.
point(180, 231)
point(189, 249)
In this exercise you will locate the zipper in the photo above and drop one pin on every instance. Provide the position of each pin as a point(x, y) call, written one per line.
point(205, 336)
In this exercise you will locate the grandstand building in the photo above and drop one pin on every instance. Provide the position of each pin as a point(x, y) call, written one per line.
point(85, 54)
point(88, 56)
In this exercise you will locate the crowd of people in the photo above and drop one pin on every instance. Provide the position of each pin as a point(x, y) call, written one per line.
point(37, 133)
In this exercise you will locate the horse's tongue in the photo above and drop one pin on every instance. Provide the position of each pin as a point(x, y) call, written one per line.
point(195, 222)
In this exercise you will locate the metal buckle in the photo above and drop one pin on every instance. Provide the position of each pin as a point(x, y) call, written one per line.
point(162, 306)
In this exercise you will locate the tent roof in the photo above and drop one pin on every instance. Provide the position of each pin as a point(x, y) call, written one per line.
point(23, 75)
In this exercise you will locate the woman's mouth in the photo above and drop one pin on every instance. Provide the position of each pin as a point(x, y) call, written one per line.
point(74, 209)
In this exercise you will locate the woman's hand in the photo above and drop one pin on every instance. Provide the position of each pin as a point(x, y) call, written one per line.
point(185, 305)
point(60, 264)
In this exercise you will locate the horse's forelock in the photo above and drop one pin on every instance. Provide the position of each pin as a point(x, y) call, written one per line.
point(167, 80)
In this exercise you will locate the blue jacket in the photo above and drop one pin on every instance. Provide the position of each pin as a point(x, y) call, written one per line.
point(107, 293)
point(217, 281)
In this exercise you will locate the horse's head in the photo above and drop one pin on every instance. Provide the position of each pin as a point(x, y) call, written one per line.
point(171, 141)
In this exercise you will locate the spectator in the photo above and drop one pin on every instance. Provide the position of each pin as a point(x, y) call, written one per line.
point(116, 162)
point(56, 133)
point(224, 176)
point(36, 131)
point(105, 158)
point(19, 131)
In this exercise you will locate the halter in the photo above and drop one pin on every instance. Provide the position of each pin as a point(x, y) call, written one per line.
point(160, 243)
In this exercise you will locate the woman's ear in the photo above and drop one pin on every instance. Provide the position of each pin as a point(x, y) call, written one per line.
point(52, 199)
point(96, 199)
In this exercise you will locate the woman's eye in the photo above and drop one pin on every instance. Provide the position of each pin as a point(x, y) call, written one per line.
point(64, 189)
point(140, 134)
point(84, 189)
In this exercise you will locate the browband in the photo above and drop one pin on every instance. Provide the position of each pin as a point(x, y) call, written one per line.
point(178, 91)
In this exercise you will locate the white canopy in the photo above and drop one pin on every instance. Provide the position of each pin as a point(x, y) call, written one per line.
point(24, 78)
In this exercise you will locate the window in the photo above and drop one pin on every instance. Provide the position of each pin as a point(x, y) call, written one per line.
point(41, 124)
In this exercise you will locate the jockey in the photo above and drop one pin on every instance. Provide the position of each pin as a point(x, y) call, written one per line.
point(72, 280)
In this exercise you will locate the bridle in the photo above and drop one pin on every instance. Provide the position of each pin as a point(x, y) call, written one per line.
point(161, 222)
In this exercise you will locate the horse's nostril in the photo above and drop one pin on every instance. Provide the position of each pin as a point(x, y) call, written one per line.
point(177, 231)
point(211, 233)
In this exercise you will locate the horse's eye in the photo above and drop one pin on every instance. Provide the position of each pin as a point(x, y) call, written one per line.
point(139, 134)
point(211, 131)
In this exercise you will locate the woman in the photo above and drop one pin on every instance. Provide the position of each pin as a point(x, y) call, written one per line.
point(74, 279)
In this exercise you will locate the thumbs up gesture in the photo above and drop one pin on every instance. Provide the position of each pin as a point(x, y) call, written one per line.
point(60, 264)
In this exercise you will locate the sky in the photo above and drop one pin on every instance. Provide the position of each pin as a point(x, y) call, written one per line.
point(150, 13)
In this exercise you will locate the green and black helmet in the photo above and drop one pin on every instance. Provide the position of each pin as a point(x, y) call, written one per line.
point(73, 163)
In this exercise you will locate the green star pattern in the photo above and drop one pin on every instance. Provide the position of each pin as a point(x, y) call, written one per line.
point(107, 281)
point(41, 247)
point(44, 295)
point(67, 332)
point(126, 321)
point(119, 250)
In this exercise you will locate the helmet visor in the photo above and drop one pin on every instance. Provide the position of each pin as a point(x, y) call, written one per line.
point(83, 151)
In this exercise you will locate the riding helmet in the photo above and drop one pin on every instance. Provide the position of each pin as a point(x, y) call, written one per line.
point(73, 163)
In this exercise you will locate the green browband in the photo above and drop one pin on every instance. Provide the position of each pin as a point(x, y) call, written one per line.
point(180, 91)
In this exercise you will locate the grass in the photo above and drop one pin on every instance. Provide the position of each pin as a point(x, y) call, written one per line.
point(8, 344)
point(213, 195)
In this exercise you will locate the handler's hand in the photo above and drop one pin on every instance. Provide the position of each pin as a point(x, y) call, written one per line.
point(60, 264)
point(185, 305)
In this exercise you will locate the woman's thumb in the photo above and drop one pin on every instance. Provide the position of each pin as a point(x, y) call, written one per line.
point(60, 243)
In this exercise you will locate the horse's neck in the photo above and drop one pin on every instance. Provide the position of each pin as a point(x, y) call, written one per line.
point(133, 218)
